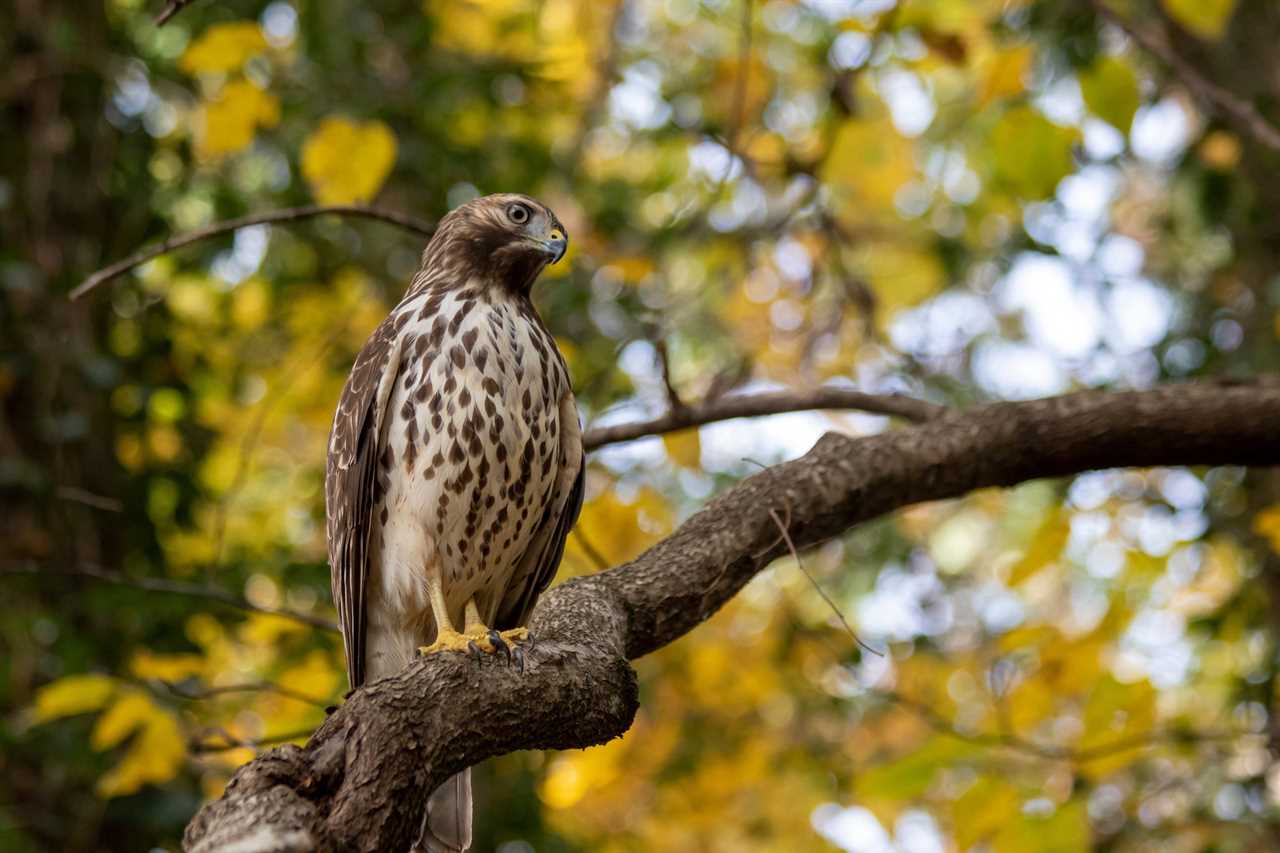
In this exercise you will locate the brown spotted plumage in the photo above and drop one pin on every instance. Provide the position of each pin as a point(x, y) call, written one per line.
point(455, 461)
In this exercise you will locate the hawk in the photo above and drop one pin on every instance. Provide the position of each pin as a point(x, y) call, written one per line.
point(455, 462)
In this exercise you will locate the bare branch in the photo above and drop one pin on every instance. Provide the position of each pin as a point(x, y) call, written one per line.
point(165, 585)
point(227, 741)
point(674, 403)
point(739, 105)
point(291, 214)
point(1239, 111)
point(361, 780)
point(172, 8)
point(732, 406)
point(202, 692)
point(83, 496)
point(1054, 752)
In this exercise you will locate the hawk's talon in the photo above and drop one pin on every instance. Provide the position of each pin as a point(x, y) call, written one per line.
point(447, 640)
point(476, 639)
point(499, 644)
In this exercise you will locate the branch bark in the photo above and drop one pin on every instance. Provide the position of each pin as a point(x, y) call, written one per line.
point(359, 782)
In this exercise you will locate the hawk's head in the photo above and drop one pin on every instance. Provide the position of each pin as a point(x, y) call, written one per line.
point(504, 239)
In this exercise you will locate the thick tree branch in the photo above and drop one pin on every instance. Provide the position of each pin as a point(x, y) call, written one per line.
point(290, 214)
point(359, 782)
point(733, 406)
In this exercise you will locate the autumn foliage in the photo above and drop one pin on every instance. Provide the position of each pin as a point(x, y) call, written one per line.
point(958, 200)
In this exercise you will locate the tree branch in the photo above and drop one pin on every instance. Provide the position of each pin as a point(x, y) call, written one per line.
point(290, 214)
point(1239, 111)
point(733, 406)
point(165, 585)
point(360, 781)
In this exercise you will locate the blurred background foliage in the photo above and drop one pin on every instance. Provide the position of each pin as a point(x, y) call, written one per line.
point(960, 200)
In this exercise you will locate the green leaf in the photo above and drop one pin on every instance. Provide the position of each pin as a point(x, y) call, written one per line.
point(1110, 91)
point(1031, 154)
point(1064, 831)
point(911, 775)
point(1207, 19)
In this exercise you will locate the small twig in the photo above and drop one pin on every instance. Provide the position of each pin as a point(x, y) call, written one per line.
point(733, 406)
point(674, 403)
point(593, 553)
point(291, 214)
point(791, 546)
point(164, 585)
point(739, 106)
point(231, 742)
point(172, 8)
point(605, 76)
point(205, 692)
point(1052, 752)
point(1239, 110)
point(82, 496)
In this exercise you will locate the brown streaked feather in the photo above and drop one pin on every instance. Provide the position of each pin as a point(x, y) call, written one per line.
point(545, 552)
point(351, 485)
point(536, 569)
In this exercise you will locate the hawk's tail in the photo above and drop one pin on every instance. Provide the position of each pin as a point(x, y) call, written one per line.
point(447, 826)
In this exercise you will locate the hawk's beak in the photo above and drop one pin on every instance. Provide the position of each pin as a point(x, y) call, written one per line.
point(555, 244)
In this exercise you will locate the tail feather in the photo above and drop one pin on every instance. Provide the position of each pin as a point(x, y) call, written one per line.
point(447, 825)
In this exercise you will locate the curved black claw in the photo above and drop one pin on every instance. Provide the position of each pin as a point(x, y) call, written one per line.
point(474, 649)
point(499, 644)
point(517, 656)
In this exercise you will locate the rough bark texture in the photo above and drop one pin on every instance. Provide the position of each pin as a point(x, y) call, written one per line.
point(358, 783)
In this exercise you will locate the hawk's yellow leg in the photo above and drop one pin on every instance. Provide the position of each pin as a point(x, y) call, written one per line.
point(474, 631)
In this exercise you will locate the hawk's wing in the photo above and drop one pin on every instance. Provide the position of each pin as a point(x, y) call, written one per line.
point(538, 565)
point(351, 484)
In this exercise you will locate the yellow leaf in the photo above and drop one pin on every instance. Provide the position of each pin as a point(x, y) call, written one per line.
point(1204, 18)
point(1116, 714)
point(347, 162)
point(1045, 547)
point(869, 162)
point(1064, 831)
point(250, 304)
point(229, 122)
point(900, 274)
point(1006, 73)
point(983, 810)
point(1110, 91)
point(147, 664)
point(72, 694)
point(1220, 151)
point(223, 48)
point(130, 711)
point(155, 756)
point(684, 447)
point(497, 28)
point(1267, 525)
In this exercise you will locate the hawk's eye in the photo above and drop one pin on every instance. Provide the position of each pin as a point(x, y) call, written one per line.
point(518, 213)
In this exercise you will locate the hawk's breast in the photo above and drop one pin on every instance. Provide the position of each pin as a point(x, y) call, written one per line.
point(471, 448)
